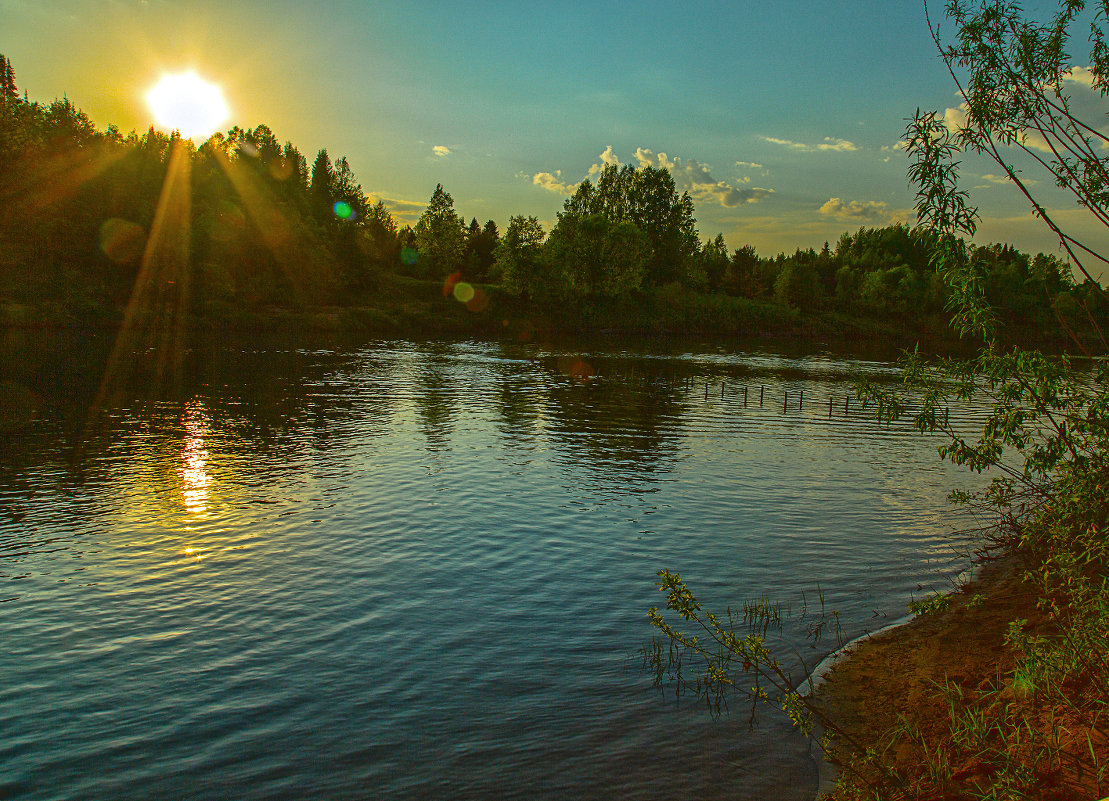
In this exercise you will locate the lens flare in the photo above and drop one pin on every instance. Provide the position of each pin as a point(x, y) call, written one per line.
point(121, 241)
point(463, 292)
point(409, 256)
point(343, 210)
point(479, 302)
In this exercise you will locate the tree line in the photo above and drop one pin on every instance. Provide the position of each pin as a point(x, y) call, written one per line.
point(265, 228)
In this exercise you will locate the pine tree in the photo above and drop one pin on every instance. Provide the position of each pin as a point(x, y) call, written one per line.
point(8, 91)
point(322, 188)
point(440, 236)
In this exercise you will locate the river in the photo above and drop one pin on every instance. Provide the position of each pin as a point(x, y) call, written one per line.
point(278, 568)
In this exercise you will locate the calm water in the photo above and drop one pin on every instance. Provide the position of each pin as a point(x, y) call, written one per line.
point(401, 570)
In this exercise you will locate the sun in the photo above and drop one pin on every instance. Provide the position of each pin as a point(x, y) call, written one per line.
point(187, 103)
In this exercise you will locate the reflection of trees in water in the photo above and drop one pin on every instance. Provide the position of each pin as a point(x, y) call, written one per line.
point(616, 422)
point(520, 398)
point(264, 399)
point(436, 398)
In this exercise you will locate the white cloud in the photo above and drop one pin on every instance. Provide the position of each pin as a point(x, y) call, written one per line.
point(696, 178)
point(441, 151)
point(829, 143)
point(1004, 179)
point(956, 118)
point(860, 211)
point(689, 176)
point(750, 165)
point(1081, 76)
point(606, 158)
point(553, 182)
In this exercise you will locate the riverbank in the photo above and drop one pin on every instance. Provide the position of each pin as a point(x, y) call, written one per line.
point(934, 703)
point(401, 306)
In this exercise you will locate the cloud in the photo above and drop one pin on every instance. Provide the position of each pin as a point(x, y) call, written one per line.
point(1004, 179)
point(860, 211)
point(829, 143)
point(750, 165)
point(606, 158)
point(441, 151)
point(956, 118)
point(1081, 76)
point(404, 211)
point(696, 178)
point(689, 175)
point(553, 182)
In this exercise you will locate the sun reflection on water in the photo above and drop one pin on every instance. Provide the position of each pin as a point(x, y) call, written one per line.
point(192, 469)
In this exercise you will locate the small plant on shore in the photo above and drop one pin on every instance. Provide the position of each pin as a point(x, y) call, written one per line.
point(930, 604)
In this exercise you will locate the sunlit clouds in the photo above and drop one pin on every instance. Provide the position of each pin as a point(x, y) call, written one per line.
point(441, 151)
point(695, 177)
point(873, 212)
point(553, 182)
point(830, 143)
point(690, 175)
point(406, 212)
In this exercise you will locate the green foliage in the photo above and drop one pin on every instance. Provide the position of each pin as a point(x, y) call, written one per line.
point(440, 236)
point(729, 655)
point(592, 256)
point(714, 263)
point(798, 283)
point(646, 198)
point(518, 258)
point(936, 602)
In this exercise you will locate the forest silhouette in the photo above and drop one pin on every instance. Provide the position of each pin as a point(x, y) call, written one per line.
point(106, 227)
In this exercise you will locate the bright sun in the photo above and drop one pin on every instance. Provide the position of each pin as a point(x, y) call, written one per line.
point(187, 103)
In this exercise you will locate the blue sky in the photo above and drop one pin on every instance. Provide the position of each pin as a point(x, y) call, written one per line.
point(782, 119)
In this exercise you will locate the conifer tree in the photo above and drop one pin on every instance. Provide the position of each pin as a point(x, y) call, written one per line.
point(440, 237)
point(8, 91)
point(322, 188)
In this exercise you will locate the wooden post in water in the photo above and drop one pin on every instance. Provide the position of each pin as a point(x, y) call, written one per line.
point(801, 403)
point(721, 390)
point(745, 397)
point(785, 403)
point(829, 408)
point(761, 391)
point(706, 390)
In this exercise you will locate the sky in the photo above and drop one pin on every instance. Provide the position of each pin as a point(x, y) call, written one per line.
point(781, 119)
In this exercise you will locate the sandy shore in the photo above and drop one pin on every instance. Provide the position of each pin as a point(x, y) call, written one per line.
point(893, 675)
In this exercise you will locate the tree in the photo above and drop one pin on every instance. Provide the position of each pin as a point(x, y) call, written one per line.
point(321, 190)
point(645, 197)
point(9, 94)
point(714, 262)
point(1011, 74)
point(347, 189)
point(518, 257)
point(594, 256)
point(797, 283)
point(439, 235)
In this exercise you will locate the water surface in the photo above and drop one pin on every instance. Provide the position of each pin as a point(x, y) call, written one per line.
point(403, 570)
